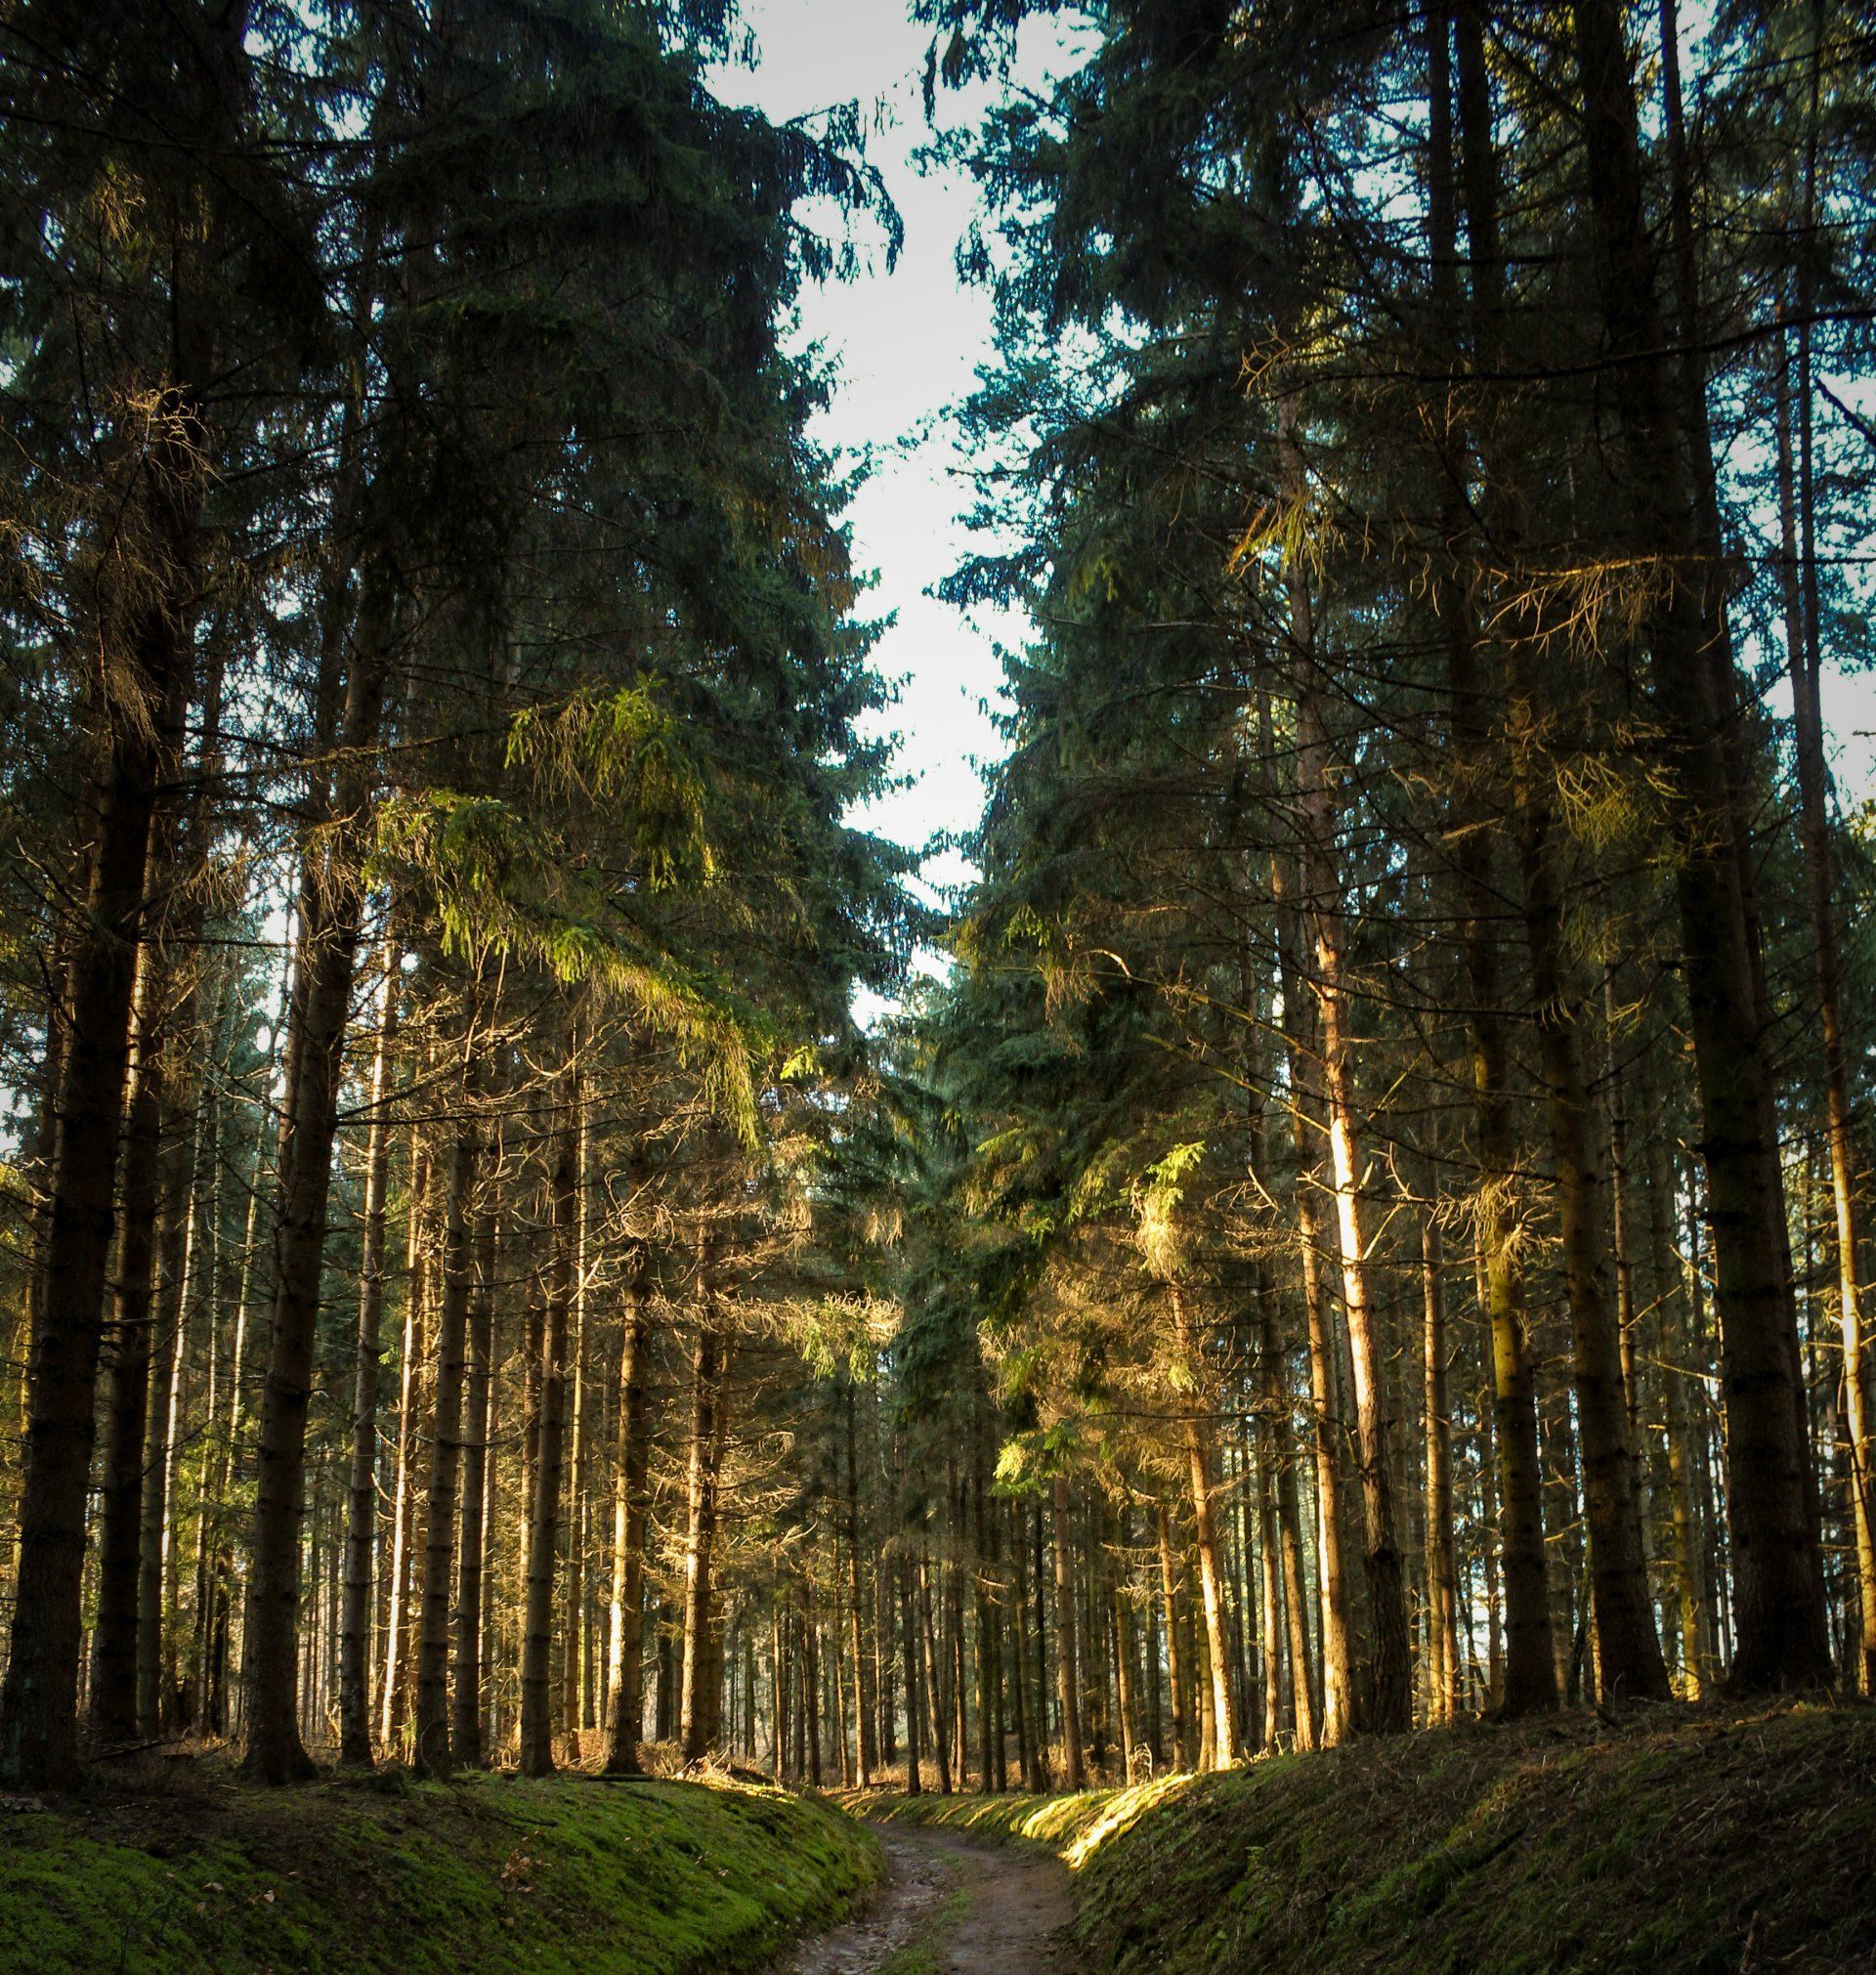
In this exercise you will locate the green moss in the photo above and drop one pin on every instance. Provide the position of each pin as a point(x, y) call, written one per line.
point(489, 1873)
point(1683, 1843)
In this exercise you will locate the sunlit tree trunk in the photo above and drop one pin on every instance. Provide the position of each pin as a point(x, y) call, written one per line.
point(1442, 1559)
point(1320, 895)
point(1067, 1681)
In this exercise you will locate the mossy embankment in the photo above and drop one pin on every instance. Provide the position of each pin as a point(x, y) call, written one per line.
point(1673, 1842)
point(487, 1874)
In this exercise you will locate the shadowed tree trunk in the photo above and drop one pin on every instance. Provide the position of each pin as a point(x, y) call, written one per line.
point(114, 1651)
point(624, 1703)
point(361, 1501)
point(433, 1747)
point(1529, 1684)
point(543, 1522)
point(465, 1729)
point(697, 1724)
point(1067, 1685)
point(1777, 1603)
point(332, 918)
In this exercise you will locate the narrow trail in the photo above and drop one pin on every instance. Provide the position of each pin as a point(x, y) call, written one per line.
point(984, 1910)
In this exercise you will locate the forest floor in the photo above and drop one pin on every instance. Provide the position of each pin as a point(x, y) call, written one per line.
point(951, 1905)
point(182, 1867)
point(1659, 1841)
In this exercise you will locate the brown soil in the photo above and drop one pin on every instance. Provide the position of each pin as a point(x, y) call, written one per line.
point(1015, 1910)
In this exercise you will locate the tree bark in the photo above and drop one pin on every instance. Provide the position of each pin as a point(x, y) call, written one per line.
point(1779, 1607)
point(361, 1501)
point(543, 1522)
point(433, 1746)
point(331, 916)
point(1529, 1684)
point(624, 1703)
point(1629, 1650)
point(697, 1727)
point(465, 1732)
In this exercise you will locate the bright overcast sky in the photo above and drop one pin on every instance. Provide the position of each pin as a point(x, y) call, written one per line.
point(907, 345)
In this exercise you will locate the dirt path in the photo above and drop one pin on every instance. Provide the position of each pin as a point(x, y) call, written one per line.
point(974, 1909)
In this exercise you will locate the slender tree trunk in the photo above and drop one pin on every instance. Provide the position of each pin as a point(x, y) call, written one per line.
point(396, 1643)
point(331, 907)
point(156, 1531)
point(1208, 1544)
point(1067, 1683)
point(1175, 1679)
point(934, 1682)
point(536, 1650)
point(867, 1751)
point(1443, 1560)
point(114, 1651)
point(1321, 896)
point(433, 1751)
point(696, 1718)
point(465, 1731)
point(362, 1504)
point(624, 1707)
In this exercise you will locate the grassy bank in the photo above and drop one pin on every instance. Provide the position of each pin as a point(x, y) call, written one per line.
point(1673, 1843)
point(487, 1874)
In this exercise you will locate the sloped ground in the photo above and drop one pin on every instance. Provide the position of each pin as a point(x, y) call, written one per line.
point(1676, 1842)
point(487, 1875)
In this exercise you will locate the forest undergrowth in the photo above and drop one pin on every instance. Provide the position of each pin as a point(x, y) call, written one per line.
point(166, 1871)
point(1682, 1842)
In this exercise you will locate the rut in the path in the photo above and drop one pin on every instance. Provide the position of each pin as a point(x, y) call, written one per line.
point(1016, 1911)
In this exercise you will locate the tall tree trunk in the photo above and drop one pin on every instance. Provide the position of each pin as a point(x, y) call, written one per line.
point(1629, 1650)
point(433, 1751)
point(361, 1501)
point(157, 1526)
point(1321, 898)
point(1175, 1679)
point(1529, 1683)
point(1067, 1683)
point(915, 1681)
point(1778, 1606)
point(934, 1681)
point(1442, 1559)
point(867, 1749)
point(114, 1650)
point(543, 1523)
point(624, 1708)
point(1198, 1453)
point(465, 1729)
point(332, 909)
point(396, 1639)
point(38, 1701)
point(697, 1722)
